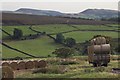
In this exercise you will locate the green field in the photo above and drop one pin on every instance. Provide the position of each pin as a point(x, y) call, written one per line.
point(81, 36)
point(96, 27)
point(44, 45)
point(10, 29)
point(56, 28)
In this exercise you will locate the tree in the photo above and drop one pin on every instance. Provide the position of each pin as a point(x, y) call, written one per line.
point(59, 38)
point(70, 42)
point(17, 33)
point(63, 52)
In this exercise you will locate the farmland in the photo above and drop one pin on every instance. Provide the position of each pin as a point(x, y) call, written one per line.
point(81, 69)
point(44, 46)
point(75, 67)
point(39, 47)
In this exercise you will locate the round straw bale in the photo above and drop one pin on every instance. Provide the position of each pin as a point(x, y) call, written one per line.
point(13, 65)
point(93, 41)
point(36, 64)
point(97, 48)
point(42, 63)
point(7, 72)
point(29, 65)
point(103, 40)
point(5, 64)
point(98, 42)
point(21, 65)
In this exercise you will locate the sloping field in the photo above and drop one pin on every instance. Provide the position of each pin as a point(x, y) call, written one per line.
point(8, 53)
point(10, 29)
point(14, 18)
point(81, 36)
point(95, 27)
point(53, 28)
point(42, 47)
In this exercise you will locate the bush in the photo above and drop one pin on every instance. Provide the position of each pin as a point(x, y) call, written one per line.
point(17, 33)
point(63, 52)
point(59, 38)
point(70, 42)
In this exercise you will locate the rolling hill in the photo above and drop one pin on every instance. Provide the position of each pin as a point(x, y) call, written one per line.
point(88, 13)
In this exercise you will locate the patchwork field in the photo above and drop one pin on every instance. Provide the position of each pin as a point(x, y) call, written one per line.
point(44, 46)
point(10, 29)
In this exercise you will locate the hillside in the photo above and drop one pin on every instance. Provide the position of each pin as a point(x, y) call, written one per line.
point(88, 13)
point(28, 19)
point(39, 12)
point(100, 13)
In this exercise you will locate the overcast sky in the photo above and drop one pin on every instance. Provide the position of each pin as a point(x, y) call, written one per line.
point(66, 7)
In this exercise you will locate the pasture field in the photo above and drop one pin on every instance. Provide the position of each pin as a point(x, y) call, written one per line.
point(96, 27)
point(56, 28)
point(10, 29)
point(81, 36)
point(44, 45)
point(8, 53)
point(81, 69)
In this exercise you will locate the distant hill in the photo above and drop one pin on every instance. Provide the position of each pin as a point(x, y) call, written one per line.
point(39, 12)
point(100, 13)
point(87, 14)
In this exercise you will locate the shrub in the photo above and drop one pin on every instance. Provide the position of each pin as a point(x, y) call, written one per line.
point(70, 42)
point(63, 52)
point(17, 33)
point(59, 38)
